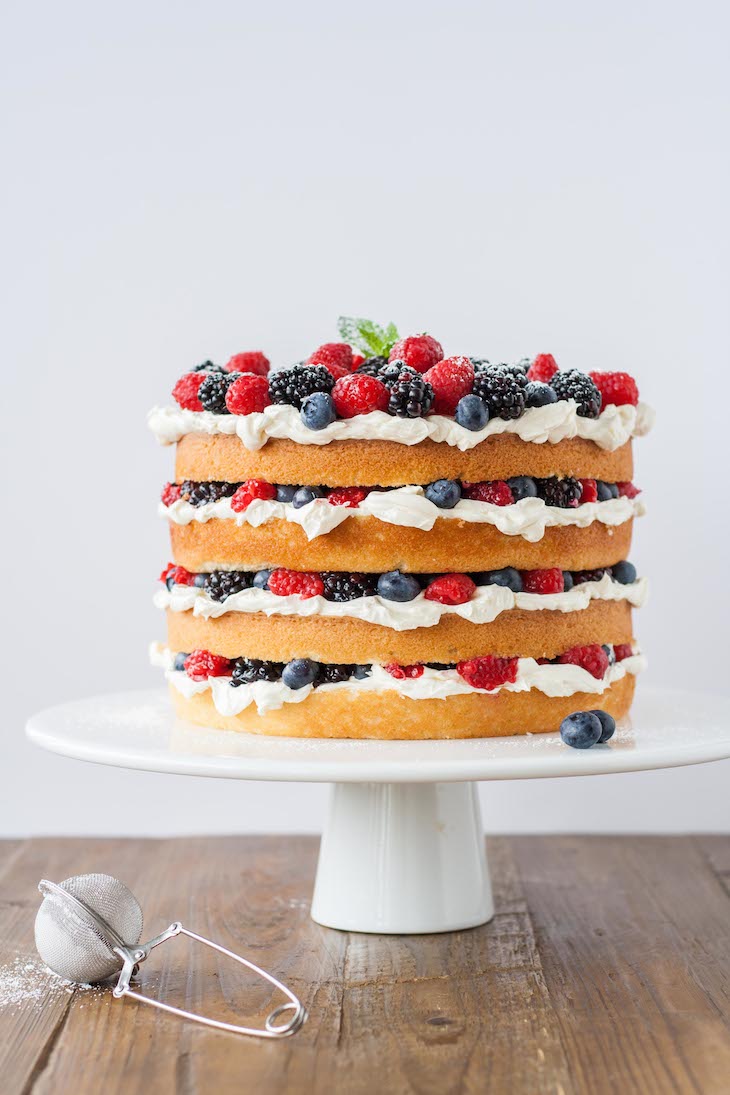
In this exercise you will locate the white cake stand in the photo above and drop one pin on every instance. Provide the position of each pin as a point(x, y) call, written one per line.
point(403, 849)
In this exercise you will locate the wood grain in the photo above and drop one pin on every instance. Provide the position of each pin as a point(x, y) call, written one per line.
point(605, 969)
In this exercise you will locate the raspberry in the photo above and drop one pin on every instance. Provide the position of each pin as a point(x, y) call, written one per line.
point(572, 384)
point(451, 589)
point(248, 393)
point(293, 385)
point(347, 496)
point(592, 658)
point(185, 392)
point(284, 582)
point(618, 388)
point(543, 368)
point(174, 575)
point(501, 391)
point(357, 360)
point(335, 356)
point(341, 587)
point(497, 492)
point(252, 488)
point(589, 490)
point(252, 361)
point(543, 581)
point(201, 664)
point(170, 493)
point(450, 379)
point(488, 672)
point(628, 490)
point(418, 351)
point(359, 393)
point(622, 651)
point(404, 672)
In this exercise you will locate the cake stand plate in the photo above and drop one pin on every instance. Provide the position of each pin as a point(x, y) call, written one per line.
point(403, 847)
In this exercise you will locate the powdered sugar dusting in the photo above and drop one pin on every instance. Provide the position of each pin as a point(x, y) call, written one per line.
point(27, 981)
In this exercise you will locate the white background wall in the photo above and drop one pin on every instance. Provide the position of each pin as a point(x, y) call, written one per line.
point(183, 181)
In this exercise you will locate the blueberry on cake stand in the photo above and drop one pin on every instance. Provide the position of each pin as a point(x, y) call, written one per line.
point(403, 847)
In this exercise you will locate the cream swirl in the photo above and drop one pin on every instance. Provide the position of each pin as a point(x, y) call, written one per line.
point(553, 423)
point(487, 603)
point(409, 507)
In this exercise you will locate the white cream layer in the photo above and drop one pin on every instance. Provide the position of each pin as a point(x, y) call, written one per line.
point(487, 603)
point(553, 423)
point(409, 507)
point(552, 680)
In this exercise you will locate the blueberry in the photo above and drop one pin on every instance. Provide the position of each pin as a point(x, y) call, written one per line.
point(304, 495)
point(285, 493)
point(522, 486)
point(472, 412)
point(538, 395)
point(299, 673)
point(581, 730)
point(179, 662)
point(444, 493)
point(508, 577)
point(318, 411)
point(261, 579)
point(170, 582)
point(608, 725)
point(199, 580)
point(567, 580)
point(395, 586)
point(624, 572)
point(603, 491)
point(609, 652)
point(360, 672)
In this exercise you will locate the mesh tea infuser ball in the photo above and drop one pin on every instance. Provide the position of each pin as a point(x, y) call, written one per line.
point(89, 928)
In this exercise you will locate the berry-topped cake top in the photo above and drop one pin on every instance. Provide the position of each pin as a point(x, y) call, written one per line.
point(375, 384)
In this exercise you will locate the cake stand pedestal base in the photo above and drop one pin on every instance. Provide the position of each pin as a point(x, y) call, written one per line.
point(403, 858)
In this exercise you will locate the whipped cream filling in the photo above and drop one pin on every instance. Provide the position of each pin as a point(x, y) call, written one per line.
point(486, 604)
point(553, 423)
point(409, 507)
point(552, 680)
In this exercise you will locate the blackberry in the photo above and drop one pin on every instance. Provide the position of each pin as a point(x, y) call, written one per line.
point(339, 586)
point(439, 665)
point(372, 366)
point(391, 372)
point(212, 392)
point(581, 576)
point(248, 670)
point(564, 493)
point(572, 384)
point(501, 391)
point(208, 367)
point(410, 395)
point(199, 494)
point(481, 364)
point(293, 385)
point(516, 371)
point(222, 583)
point(333, 673)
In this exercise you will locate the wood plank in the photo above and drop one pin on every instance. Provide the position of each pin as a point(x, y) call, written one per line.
point(716, 850)
point(634, 935)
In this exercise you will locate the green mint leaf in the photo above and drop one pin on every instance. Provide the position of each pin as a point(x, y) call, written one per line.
point(367, 337)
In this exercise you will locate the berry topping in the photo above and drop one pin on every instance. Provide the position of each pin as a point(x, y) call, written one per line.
point(538, 394)
point(507, 577)
point(347, 496)
point(404, 672)
point(578, 386)
point(170, 493)
point(608, 725)
point(174, 575)
point(201, 664)
point(567, 581)
point(450, 589)
point(247, 393)
point(357, 360)
point(261, 579)
point(299, 672)
point(251, 361)
point(418, 351)
point(588, 490)
point(395, 586)
point(185, 392)
point(285, 582)
point(451, 379)
point(293, 385)
point(522, 486)
point(488, 672)
point(581, 730)
point(580, 577)
point(342, 587)
point(472, 413)
point(543, 581)
point(200, 494)
point(627, 490)
point(543, 368)
point(592, 658)
point(622, 651)
point(501, 391)
point(618, 388)
point(444, 493)
point(208, 367)
point(563, 493)
point(624, 572)
point(606, 491)
point(248, 491)
point(334, 673)
point(497, 492)
point(410, 395)
point(304, 495)
point(336, 357)
point(212, 392)
point(359, 393)
point(371, 366)
point(285, 492)
point(318, 411)
point(224, 583)
point(248, 670)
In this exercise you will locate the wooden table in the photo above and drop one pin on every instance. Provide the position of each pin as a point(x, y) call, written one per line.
point(605, 969)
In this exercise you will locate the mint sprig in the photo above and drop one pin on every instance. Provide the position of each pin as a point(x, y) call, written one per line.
point(369, 338)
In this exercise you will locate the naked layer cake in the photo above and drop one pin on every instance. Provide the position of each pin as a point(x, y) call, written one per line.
point(385, 542)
